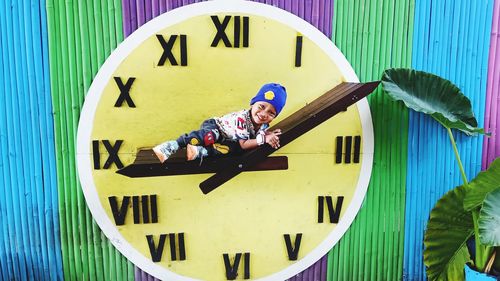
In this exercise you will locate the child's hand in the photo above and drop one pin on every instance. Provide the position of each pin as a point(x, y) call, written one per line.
point(273, 139)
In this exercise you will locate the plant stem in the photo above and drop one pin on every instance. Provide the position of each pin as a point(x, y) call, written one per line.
point(481, 251)
point(460, 166)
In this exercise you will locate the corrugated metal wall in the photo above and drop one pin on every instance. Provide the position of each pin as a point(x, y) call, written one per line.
point(29, 240)
point(491, 146)
point(446, 42)
point(82, 34)
point(47, 232)
point(375, 35)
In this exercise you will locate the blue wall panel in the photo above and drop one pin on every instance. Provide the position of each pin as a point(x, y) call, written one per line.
point(29, 236)
point(450, 40)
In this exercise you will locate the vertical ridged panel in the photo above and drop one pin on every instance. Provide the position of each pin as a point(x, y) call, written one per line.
point(81, 35)
point(375, 35)
point(451, 39)
point(491, 148)
point(29, 236)
point(318, 13)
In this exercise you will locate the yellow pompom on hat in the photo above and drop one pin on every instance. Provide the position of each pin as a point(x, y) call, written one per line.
point(272, 93)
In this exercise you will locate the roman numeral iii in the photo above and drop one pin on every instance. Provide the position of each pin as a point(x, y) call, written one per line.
point(232, 266)
point(140, 204)
point(177, 246)
point(344, 147)
point(241, 30)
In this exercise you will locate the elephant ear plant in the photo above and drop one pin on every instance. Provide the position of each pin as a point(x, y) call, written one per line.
point(469, 210)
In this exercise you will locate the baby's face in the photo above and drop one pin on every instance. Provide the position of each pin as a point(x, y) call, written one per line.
point(262, 112)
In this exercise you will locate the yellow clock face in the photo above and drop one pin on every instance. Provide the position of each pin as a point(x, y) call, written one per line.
point(206, 60)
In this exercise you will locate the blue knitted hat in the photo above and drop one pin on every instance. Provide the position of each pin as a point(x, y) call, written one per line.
point(272, 93)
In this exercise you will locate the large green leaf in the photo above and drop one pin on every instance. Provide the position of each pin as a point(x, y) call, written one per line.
point(433, 95)
point(481, 185)
point(449, 227)
point(489, 219)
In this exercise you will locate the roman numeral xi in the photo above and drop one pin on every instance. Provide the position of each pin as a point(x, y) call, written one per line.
point(168, 49)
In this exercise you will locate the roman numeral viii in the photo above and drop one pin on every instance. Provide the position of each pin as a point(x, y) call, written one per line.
point(177, 246)
point(140, 204)
point(112, 154)
point(241, 27)
point(334, 213)
point(168, 46)
point(344, 147)
point(232, 266)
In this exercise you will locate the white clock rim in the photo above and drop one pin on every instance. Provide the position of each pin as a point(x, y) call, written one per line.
point(83, 154)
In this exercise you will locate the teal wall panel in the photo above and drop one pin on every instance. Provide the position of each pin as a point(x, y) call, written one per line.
point(451, 39)
point(29, 231)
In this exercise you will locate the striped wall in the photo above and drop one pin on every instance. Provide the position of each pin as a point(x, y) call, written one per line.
point(446, 42)
point(375, 35)
point(30, 246)
point(52, 49)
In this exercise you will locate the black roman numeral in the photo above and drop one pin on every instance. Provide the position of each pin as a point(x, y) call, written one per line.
point(169, 45)
point(298, 51)
point(292, 251)
point(112, 154)
point(179, 246)
point(232, 268)
point(124, 92)
point(138, 206)
point(240, 32)
point(347, 150)
point(334, 213)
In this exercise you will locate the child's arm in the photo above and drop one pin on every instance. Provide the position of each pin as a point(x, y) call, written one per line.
point(271, 138)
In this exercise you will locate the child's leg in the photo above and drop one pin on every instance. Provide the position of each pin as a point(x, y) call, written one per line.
point(207, 135)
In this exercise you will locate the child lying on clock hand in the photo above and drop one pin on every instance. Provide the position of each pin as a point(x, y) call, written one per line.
point(233, 132)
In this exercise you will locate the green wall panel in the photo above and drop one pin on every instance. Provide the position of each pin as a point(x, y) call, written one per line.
point(81, 35)
point(375, 35)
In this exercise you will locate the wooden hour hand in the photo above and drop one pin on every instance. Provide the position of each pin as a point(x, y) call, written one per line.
point(146, 164)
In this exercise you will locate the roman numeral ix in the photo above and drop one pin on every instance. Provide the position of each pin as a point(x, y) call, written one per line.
point(240, 31)
point(140, 204)
point(232, 267)
point(177, 246)
point(347, 150)
point(334, 213)
point(112, 154)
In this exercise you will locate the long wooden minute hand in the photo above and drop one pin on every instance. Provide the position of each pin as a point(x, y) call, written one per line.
point(292, 127)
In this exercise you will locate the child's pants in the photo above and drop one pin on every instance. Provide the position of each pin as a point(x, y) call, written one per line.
point(210, 137)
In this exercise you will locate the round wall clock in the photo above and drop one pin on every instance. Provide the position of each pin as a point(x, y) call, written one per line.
point(205, 60)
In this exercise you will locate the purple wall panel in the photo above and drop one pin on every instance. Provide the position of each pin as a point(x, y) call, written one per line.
point(317, 12)
point(491, 145)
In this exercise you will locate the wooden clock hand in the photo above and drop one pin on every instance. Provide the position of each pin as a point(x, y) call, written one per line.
point(146, 164)
point(297, 124)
